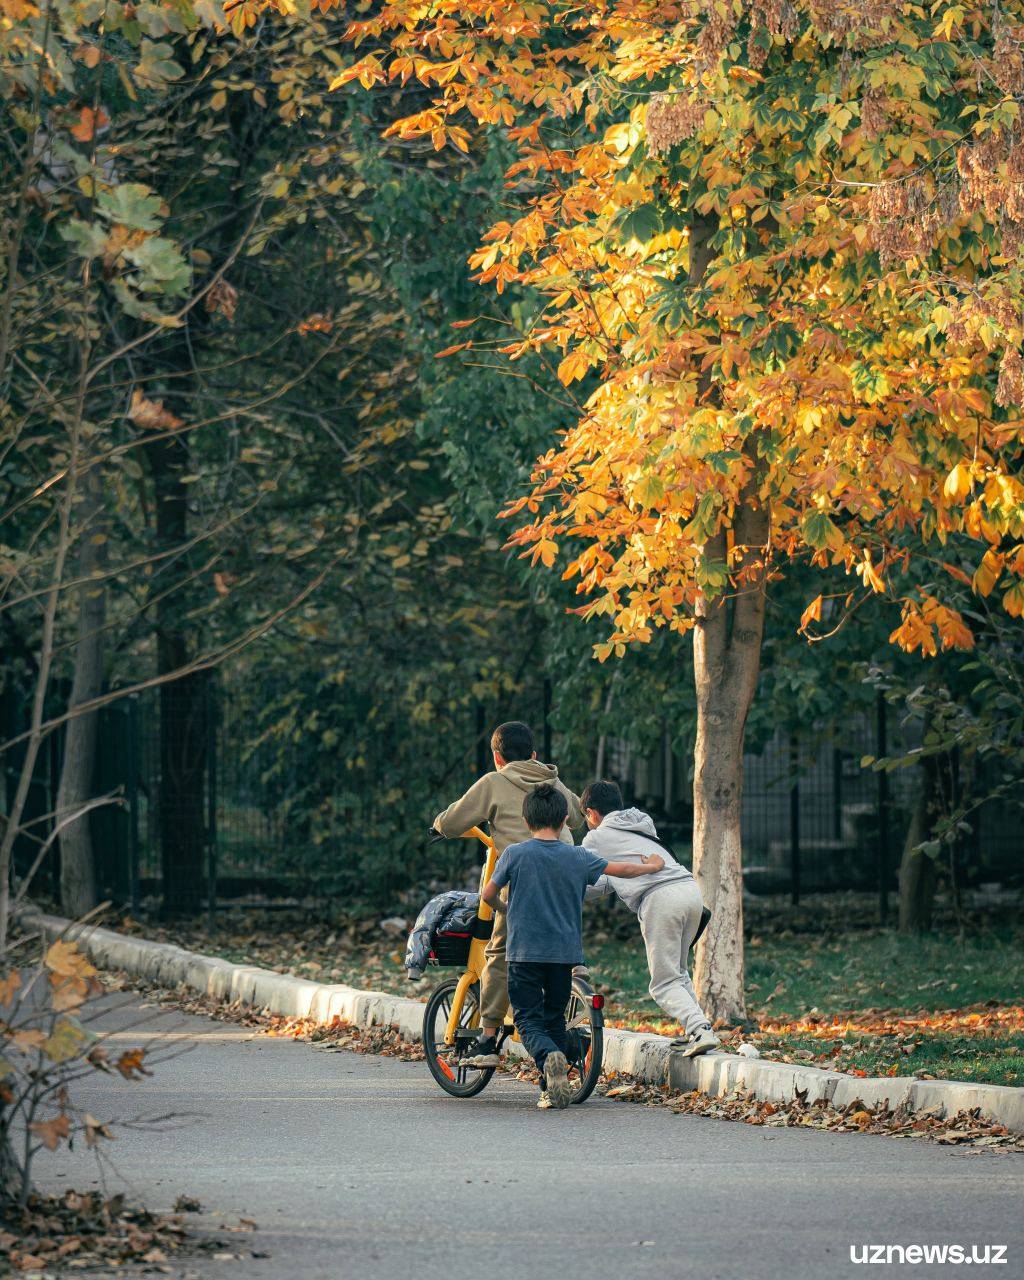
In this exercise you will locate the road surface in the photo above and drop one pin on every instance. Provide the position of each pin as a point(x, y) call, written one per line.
point(360, 1167)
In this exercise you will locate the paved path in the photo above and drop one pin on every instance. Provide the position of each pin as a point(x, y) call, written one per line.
point(360, 1167)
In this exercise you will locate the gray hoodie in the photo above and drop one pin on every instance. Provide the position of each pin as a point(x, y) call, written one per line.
point(614, 840)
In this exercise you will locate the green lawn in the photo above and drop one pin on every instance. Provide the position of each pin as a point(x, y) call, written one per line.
point(876, 975)
point(938, 1005)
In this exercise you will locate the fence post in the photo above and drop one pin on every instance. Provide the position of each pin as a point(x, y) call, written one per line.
point(547, 717)
point(837, 793)
point(211, 803)
point(794, 820)
point(481, 744)
point(881, 750)
point(132, 783)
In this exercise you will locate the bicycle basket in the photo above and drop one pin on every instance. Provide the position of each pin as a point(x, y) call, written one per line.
point(450, 947)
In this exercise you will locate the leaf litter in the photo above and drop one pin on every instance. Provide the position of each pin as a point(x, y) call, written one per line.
point(967, 1130)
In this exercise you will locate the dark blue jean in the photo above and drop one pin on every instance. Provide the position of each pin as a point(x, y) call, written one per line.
point(538, 994)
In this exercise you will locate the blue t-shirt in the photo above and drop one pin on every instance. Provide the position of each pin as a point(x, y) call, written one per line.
point(546, 882)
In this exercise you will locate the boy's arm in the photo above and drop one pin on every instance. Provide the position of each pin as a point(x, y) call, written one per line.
point(648, 864)
point(491, 892)
point(492, 896)
point(575, 816)
point(473, 808)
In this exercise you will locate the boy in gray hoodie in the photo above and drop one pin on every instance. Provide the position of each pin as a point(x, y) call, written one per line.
point(497, 798)
point(668, 903)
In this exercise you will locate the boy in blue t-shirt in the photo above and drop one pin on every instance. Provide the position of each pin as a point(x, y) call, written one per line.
point(546, 880)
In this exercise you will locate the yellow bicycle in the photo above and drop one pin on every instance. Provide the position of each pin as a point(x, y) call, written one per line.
point(451, 1019)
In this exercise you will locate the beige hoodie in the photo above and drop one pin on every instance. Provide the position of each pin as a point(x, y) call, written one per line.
point(498, 797)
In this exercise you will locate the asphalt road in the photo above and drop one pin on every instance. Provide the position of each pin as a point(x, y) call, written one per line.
point(359, 1166)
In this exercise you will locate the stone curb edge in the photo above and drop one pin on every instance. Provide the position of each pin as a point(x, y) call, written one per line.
point(648, 1058)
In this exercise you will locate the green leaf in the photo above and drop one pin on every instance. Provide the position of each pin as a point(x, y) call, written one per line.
point(641, 224)
point(89, 238)
point(132, 205)
point(162, 264)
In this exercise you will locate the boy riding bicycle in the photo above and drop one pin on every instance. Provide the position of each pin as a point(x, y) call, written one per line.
point(497, 799)
point(546, 879)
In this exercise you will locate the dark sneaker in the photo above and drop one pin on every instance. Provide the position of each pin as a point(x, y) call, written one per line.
point(486, 1054)
point(556, 1079)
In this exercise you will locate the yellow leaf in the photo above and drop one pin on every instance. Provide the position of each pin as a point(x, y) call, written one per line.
point(66, 1041)
point(1013, 600)
point(958, 483)
point(544, 551)
point(987, 573)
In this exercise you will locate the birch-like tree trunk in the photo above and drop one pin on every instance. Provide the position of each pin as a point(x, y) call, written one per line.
point(726, 660)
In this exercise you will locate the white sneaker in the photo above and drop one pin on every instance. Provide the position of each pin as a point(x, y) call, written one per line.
point(556, 1077)
point(545, 1103)
point(703, 1042)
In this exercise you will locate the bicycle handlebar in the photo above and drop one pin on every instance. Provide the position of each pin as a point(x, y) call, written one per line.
point(434, 836)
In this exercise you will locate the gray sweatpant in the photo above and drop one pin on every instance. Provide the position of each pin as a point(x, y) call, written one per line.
point(669, 916)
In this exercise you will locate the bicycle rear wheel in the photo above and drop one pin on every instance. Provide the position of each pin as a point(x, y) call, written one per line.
point(584, 1025)
point(446, 1062)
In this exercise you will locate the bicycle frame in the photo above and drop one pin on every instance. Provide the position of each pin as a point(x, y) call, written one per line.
point(477, 947)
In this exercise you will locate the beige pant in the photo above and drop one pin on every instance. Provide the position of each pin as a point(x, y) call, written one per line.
point(494, 979)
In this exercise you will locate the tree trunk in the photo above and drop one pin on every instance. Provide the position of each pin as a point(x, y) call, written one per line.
point(726, 660)
point(918, 872)
point(183, 702)
point(77, 863)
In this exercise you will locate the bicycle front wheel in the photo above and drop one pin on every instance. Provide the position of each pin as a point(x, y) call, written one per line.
point(446, 1062)
point(584, 1026)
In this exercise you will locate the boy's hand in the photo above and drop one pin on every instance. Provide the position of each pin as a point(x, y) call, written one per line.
point(652, 861)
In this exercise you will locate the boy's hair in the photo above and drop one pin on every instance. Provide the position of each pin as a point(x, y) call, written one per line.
point(545, 806)
point(604, 796)
point(513, 740)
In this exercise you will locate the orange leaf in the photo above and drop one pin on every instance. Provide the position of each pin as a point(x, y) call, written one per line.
point(65, 959)
point(811, 614)
point(8, 986)
point(151, 414)
point(88, 122)
point(51, 1131)
point(130, 1063)
point(27, 1040)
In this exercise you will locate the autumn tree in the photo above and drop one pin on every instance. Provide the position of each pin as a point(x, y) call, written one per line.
point(778, 248)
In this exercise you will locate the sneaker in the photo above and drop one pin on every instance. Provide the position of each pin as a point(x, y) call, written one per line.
point(545, 1103)
point(556, 1077)
point(701, 1042)
point(486, 1054)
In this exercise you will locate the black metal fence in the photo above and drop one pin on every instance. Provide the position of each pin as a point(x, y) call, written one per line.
point(814, 820)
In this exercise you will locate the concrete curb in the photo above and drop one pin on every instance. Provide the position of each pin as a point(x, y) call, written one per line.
point(649, 1058)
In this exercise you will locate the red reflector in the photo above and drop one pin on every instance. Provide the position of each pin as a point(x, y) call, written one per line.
point(597, 1002)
